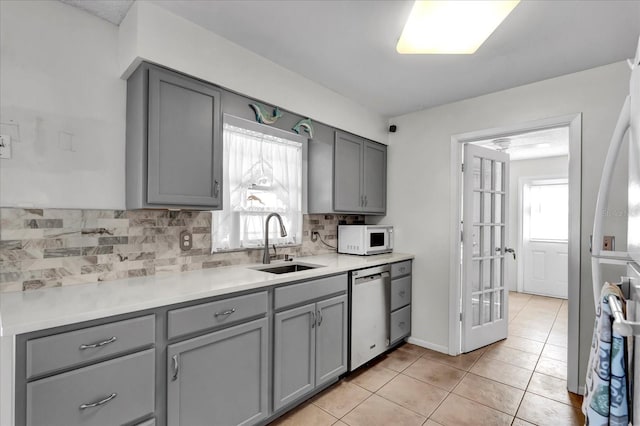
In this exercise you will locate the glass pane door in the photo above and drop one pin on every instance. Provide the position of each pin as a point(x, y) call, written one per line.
point(484, 221)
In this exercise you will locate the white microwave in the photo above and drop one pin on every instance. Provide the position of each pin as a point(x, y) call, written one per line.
point(365, 239)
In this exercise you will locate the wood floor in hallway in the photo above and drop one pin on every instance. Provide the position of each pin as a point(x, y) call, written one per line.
point(518, 381)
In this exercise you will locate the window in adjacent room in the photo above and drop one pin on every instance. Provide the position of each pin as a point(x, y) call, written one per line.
point(263, 173)
point(547, 205)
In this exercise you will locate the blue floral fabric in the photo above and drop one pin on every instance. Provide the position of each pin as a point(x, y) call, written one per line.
point(606, 401)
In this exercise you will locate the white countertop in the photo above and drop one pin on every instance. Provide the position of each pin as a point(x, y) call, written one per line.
point(23, 312)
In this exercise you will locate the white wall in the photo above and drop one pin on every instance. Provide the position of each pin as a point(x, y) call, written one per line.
point(419, 193)
point(555, 167)
point(61, 69)
point(154, 34)
point(59, 73)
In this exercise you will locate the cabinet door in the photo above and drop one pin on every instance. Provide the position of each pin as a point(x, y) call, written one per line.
point(219, 378)
point(375, 178)
point(347, 177)
point(331, 338)
point(294, 354)
point(184, 142)
point(112, 392)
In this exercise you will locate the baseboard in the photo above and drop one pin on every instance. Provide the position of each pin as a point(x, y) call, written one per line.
point(428, 345)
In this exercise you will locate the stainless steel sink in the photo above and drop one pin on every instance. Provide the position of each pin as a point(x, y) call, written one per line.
point(286, 268)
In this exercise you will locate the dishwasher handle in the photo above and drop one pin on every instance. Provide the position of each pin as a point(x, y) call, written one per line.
point(374, 277)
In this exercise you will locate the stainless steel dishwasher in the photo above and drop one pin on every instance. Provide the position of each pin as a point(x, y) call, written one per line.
point(369, 314)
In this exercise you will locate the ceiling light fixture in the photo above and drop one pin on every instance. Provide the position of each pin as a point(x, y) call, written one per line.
point(458, 26)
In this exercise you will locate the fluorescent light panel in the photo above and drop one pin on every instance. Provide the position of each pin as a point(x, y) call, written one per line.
point(456, 26)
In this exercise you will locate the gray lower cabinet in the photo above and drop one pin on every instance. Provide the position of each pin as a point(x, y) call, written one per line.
point(219, 378)
point(331, 339)
point(294, 354)
point(310, 348)
point(174, 141)
point(400, 301)
point(108, 393)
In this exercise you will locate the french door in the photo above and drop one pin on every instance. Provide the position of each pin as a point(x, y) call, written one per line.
point(484, 291)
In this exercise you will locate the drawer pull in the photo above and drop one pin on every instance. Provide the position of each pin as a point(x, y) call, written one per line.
point(402, 269)
point(220, 314)
point(401, 293)
point(401, 324)
point(99, 344)
point(176, 368)
point(99, 403)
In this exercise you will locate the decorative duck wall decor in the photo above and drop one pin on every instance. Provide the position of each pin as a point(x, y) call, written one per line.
point(306, 125)
point(262, 116)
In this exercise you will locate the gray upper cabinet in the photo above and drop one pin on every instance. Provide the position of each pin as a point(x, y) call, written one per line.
point(219, 378)
point(174, 141)
point(347, 193)
point(375, 177)
point(347, 174)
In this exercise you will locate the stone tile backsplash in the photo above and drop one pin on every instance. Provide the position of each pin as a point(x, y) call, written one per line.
point(55, 247)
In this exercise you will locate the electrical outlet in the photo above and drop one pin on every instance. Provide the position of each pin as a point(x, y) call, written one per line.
point(5, 146)
point(608, 243)
point(186, 240)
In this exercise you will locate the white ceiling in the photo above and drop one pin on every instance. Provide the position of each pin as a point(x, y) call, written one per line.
point(537, 144)
point(349, 45)
point(112, 11)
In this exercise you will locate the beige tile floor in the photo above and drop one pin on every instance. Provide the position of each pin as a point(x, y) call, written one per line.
point(518, 381)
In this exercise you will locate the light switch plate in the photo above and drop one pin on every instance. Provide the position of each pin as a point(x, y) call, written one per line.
point(5, 146)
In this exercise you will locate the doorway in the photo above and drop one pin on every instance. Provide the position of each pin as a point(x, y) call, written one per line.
point(572, 126)
point(543, 238)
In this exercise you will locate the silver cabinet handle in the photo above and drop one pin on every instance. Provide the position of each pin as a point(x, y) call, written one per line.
point(313, 319)
point(216, 188)
point(402, 269)
point(99, 403)
point(401, 293)
point(365, 201)
point(97, 345)
point(401, 325)
point(176, 368)
point(220, 314)
point(320, 317)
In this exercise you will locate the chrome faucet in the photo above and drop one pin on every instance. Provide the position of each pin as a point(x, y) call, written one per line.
point(283, 232)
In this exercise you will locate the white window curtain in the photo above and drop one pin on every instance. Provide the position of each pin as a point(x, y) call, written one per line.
point(262, 174)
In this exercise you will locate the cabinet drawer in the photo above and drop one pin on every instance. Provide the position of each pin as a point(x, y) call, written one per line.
point(400, 292)
point(400, 324)
point(52, 353)
point(214, 314)
point(122, 389)
point(309, 290)
point(401, 268)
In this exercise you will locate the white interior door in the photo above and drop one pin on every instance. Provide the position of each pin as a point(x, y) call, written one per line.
point(545, 237)
point(484, 295)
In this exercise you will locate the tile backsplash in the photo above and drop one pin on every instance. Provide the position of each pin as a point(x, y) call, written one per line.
point(55, 247)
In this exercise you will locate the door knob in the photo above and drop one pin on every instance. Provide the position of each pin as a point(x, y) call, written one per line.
point(510, 250)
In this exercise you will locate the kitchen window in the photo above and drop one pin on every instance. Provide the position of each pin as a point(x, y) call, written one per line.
point(263, 169)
